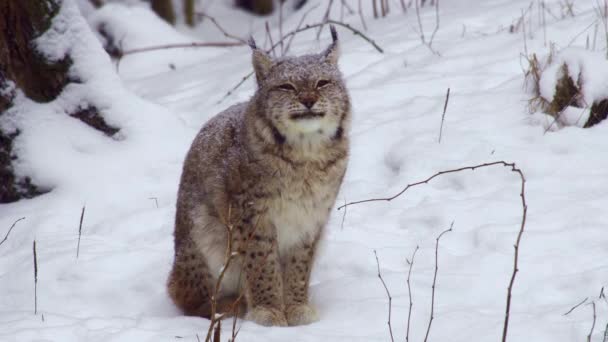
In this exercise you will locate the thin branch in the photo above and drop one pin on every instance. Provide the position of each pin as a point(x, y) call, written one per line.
point(155, 200)
point(422, 38)
point(593, 324)
point(297, 27)
point(35, 278)
point(181, 45)
point(515, 169)
point(274, 54)
point(409, 293)
point(219, 27)
point(388, 294)
point(428, 329)
point(325, 17)
point(296, 31)
point(281, 3)
point(343, 217)
point(335, 22)
point(445, 107)
point(217, 331)
point(576, 306)
point(361, 16)
point(80, 232)
point(10, 229)
point(436, 24)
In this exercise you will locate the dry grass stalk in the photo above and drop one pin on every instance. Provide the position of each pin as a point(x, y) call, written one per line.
point(409, 293)
point(593, 324)
point(445, 108)
point(35, 278)
point(576, 306)
point(428, 329)
point(80, 231)
point(390, 298)
point(10, 229)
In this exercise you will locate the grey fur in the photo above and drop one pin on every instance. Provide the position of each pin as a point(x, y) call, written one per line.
point(269, 168)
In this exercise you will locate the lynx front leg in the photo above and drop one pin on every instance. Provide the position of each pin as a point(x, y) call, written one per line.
point(297, 266)
point(263, 282)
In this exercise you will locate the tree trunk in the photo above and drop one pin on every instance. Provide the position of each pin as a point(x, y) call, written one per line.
point(164, 9)
point(189, 14)
point(22, 21)
point(261, 7)
point(21, 66)
point(25, 69)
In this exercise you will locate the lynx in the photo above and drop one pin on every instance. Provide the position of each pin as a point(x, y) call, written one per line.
point(262, 177)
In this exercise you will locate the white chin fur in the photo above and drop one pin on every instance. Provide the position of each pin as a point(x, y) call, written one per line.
point(308, 125)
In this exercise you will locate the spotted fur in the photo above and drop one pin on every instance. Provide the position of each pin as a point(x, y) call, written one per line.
point(270, 169)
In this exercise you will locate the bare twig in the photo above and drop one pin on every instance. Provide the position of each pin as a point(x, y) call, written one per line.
point(221, 29)
point(155, 200)
point(375, 6)
point(361, 16)
point(296, 31)
point(409, 293)
point(515, 169)
point(297, 27)
point(343, 217)
point(335, 22)
point(428, 329)
point(245, 78)
point(348, 8)
point(445, 107)
point(10, 229)
point(217, 331)
point(80, 232)
point(388, 294)
point(593, 324)
point(403, 6)
point(272, 46)
point(181, 45)
point(524, 32)
point(281, 3)
point(576, 306)
point(428, 44)
point(325, 17)
point(436, 25)
point(35, 278)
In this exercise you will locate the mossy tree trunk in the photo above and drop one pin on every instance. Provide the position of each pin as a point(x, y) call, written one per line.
point(22, 67)
point(261, 7)
point(164, 9)
point(189, 12)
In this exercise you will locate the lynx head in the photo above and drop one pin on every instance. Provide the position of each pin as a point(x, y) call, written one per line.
point(303, 98)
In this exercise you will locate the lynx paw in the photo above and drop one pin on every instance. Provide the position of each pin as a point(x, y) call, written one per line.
point(301, 314)
point(267, 316)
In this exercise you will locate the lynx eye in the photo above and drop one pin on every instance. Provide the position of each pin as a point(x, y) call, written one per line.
point(287, 87)
point(322, 83)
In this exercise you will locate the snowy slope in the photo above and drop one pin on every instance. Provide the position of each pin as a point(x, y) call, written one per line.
point(115, 290)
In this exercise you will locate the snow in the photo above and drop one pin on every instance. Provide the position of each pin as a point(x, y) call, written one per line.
point(115, 289)
point(588, 70)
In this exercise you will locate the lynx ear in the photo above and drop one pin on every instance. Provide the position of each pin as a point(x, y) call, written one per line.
point(332, 53)
point(260, 60)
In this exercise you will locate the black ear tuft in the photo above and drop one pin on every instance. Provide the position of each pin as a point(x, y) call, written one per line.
point(251, 43)
point(334, 33)
point(333, 50)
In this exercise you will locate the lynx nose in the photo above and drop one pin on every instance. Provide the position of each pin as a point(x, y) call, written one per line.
point(308, 101)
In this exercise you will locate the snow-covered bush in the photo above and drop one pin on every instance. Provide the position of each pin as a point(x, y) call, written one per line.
point(571, 86)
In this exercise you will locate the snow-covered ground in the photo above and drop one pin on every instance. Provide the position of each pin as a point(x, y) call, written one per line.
point(115, 289)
